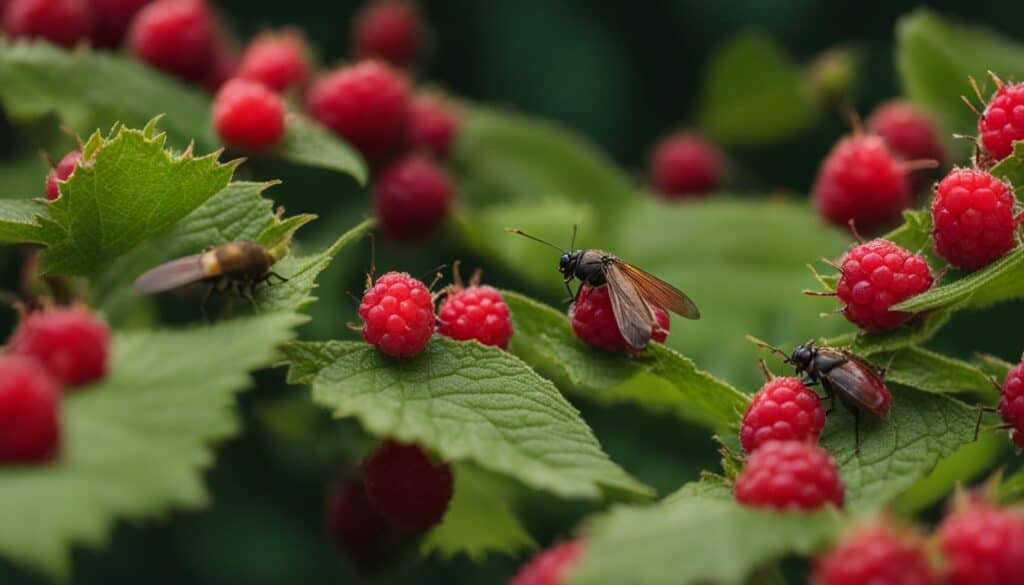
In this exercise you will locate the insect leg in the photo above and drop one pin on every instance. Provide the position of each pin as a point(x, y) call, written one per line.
point(278, 276)
point(203, 305)
point(246, 291)
point(856, 432)
point(981, 412)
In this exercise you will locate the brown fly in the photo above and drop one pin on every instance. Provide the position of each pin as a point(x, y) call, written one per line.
point(633, 292)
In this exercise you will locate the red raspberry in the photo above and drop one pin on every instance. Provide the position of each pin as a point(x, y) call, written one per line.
point(1002, 123)
point(594, 322)
point(411, 197)
point(789, 475)
point(983, 545)
point(178, 36)
point(222, 68)
point(398, 315)
point(61, 172)
point(550, 566)
point(366, 103)
point(477, 312)
point(783, 409)
point(911, 134)
point(432, 126)
point(880, 555)
point(248, 115)
point(407, 487)
point(876, 276)
point(972, 218)
point(861, 180)
point(71, 343)
point(29, 404)
point(111, 19)
point(388, 30)
point(277, 61)
point(685, 165)
point(1011, 403)
point(357, 528)
point(64, 22)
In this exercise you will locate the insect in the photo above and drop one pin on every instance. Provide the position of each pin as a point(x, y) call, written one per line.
point(632, 291)
point(858, 384)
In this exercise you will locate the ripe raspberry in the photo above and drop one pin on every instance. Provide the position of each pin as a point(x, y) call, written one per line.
point(876, 276)
point(222, 69)
point(411, 197)
point(111, 19)
point(398, 315)
point(983, 545)
point(277, 61)
point(388, 30)
point(911, 134)
point(783, 409)
point(178, 36)
point(356, 527)
point(1011, 403)
point(477, 312)
point(71, 343)
point(432, 126)
point(29, 404)
point(550, 566)
point(64, 22)
point(61, 172)
point(1002, 122)
point(862, 180)
point(973, 219)
point(366, 103)
point(248, 115)
point(685, 165)
point(407, 487)
point(594, 322)
point(880, 555)
point(789, 475)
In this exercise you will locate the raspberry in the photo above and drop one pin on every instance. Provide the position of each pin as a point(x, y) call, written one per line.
point(686, 165)
point(406, 486)
point(388, 30)
point(1011, 403)
point(551, 566)
point(178, 36)
point(398, 315)
point(876, 276)
point(983, 545)
point(783, 409)
point(594, 322)
point(877, 554)
point(248, 115)
point(277, 61)
point(912, 134)
point(366, 103)
point(477, 312)
point(72, 344)
point(356, 527)
point(1002, 123)
point(64, 22)
point(29, 404)
point(61, 172)
point(861, 180)
point(222, 68)
point(432, 126)
point(973, 219)
point(411, 198)
point(111, 19)
point(789, 475)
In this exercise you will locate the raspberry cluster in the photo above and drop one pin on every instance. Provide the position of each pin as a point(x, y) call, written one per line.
point(789, 475)
point(476, 312)
point(398, 315)
point(686, 165)
point(973, 218)
point(982, 545)
point(783, 409)
point(877, 275)
point(879, 553)
point(593, 320)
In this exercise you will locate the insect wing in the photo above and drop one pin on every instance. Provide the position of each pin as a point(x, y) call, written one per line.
point(659, 292)
point(857, 380)
point(170, 275)
point(632, 314)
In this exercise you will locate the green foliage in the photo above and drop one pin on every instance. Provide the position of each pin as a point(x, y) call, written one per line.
point(1000, 281)
point(310, 144)
point(19, 220)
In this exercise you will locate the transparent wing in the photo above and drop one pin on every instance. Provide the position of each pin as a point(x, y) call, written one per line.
point(170, 275)
point(632, 314)
point(660, 292)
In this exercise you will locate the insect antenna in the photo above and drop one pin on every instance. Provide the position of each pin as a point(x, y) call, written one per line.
point(766, 345)
point(520, 232)
point(572, 242)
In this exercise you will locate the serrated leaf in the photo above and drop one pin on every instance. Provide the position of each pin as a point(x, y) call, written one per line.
point(135, 444)
point(1002, 280)
point(969, 462)
point(993, 366)
point(310, 144)
point(19, 220)
point(469, 403)
point(1011, 169)
point(917, 331)
point(932, 372)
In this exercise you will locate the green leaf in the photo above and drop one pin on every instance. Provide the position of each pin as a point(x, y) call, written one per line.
point(932, 372)
point(915, 332)
point(1002, 280)
point(993, 366)
point(971, 461)
point(469, 403)
point(1011, 169)
point(309, 144)
point(19, 220)
point(23, 175)
point(134, 445)
point(753, 92)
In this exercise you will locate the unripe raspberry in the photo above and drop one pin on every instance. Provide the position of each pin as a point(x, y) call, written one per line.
point(789, 475)
point(64, 22)
point(111, 19)
point(388, 30)
point(432, 125)
point(411, 197)
point(783, 409)
point(406, 487)
point(278, 61)
point(594, 322)
point(876, 276)
point(71, 343)
point(861, 180)
point(1011, 403)
point(248, 115)
point(911, 134)
point(477, 312)
point(550, 566)
point(366, 103)
point(982, 545)
point(972, 218)
point(878, 554)
point(178, 36)
point(398, 315)
point(29, 405)
point(686, 165)
point(61, 172)
point(357, 528)
point(1002, 122)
